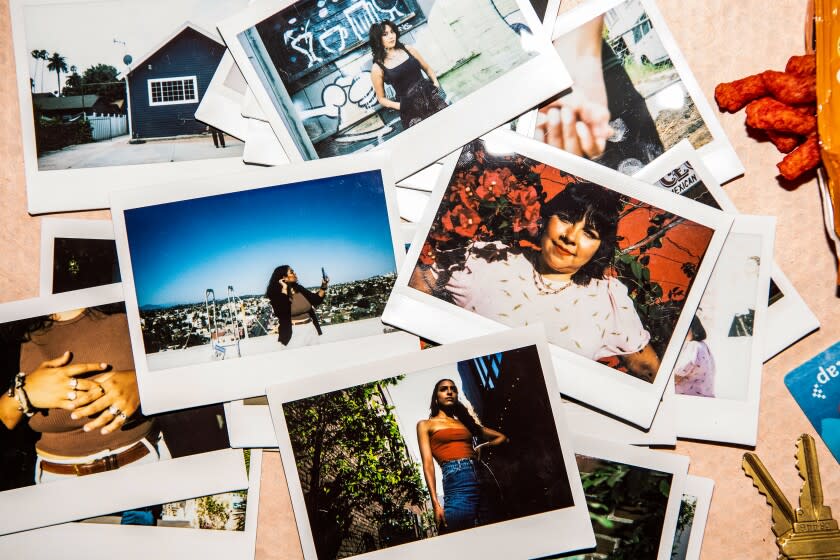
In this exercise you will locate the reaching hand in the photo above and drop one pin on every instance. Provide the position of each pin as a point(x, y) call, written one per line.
point(55, 384)
point(575, 124)
point(325, 281)
point(121, 399)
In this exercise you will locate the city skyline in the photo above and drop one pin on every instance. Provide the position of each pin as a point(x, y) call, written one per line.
point(180, 249)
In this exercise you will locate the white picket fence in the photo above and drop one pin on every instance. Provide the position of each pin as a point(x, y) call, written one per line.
point(105, 127)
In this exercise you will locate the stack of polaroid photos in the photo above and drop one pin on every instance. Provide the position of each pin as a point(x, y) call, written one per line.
point(459, 262)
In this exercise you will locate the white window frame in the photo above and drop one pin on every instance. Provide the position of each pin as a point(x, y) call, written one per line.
point(193, 79)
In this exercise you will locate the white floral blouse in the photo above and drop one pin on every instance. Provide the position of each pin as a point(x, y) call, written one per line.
point(595, 321)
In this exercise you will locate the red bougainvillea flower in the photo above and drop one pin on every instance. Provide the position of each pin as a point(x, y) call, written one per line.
point(528, 219)
point(427, 255)
point(524, 196)
point(462, 190)
point(461, 220)
point(495, 183)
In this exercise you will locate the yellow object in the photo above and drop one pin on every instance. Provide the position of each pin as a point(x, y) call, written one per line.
point(809, 531)
point(827, 27)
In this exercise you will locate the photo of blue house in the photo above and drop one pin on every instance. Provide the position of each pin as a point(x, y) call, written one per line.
point(166, 85)
point(126, 93)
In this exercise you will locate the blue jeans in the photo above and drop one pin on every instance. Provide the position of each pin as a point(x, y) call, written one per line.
point(461, 494)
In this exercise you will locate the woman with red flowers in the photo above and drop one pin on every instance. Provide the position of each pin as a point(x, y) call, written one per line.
point(564, 284)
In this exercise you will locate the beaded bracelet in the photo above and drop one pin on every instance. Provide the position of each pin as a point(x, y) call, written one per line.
point(24, 405)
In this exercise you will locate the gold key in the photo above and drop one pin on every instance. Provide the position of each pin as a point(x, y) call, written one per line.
point(782, 512)
point(809, 532)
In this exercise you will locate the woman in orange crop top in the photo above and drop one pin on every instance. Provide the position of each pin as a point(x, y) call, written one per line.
point(447, 437)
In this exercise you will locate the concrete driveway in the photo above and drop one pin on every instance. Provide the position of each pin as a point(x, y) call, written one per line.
point(119, 152)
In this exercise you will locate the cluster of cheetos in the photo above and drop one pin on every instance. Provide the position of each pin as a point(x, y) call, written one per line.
point(783, 105)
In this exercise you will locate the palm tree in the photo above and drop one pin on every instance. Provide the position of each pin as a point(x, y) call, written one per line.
point(58, 65)
point(39, 55)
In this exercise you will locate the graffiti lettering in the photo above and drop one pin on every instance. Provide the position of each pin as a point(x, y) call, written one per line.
point(361, 17)
point(303, 44)
point(342, 37)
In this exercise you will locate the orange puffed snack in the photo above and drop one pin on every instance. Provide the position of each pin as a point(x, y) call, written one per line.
point(802, 159)
point(790, 88)
point(784, 141)
point(733, 96)
point(768, 114)
point(802, 65)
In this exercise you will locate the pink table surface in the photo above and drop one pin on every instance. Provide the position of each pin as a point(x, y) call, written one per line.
point(722, 41)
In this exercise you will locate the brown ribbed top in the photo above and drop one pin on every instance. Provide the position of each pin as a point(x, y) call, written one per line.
point(92, 337)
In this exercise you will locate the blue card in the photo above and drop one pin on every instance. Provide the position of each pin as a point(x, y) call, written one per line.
point(816, 387)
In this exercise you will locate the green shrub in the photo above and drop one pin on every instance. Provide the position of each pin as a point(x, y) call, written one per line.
point(54, 135)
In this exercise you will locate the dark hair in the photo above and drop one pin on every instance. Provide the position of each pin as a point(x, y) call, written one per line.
point(273, 291)
point(460, 412)
point(599, 208)
point(698, 333)
point(375, 39)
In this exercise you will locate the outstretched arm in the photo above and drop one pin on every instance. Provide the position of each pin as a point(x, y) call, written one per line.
point(429, 470)
point(378, 79)
point(579, 121)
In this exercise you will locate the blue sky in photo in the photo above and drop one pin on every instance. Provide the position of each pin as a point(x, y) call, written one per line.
point(180, 249)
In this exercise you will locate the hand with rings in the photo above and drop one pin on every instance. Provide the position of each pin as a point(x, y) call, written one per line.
point(54, 384)
point(119, 400)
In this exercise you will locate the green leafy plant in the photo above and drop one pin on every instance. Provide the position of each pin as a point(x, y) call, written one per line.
point(353, 464)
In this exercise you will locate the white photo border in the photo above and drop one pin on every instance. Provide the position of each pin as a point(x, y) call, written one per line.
point(207, 383)
point(220, 106)
point(538, 535)
point(702, 489)
point(582, 379)
point(416, 148)
point(168, 542)
point(31, 507)
point(719, 154)
point(731, 420)
point(789, 318)
point(86, 188)
point(661, 461)
point(585, 421)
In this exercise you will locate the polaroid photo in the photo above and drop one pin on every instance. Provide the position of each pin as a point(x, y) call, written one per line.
point(139, 460)
point(77, 254)
point(484, 259)
point(211, 526)
point(456, 66)
point(412, 203)
point(587, 421)
point(221, 104)
point(634, 95)
point(486, 468)
point(633, 495)
point(106, 107)
point(242, 281)
point(718, 373)
point(682, 171)
point(691, 524)
point(262, 146)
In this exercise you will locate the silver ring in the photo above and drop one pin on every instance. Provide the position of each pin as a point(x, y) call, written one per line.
point(74, 383)
point(114, 410)
point(71, 396)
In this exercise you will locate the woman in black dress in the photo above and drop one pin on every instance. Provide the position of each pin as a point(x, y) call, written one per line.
point(417, 97)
